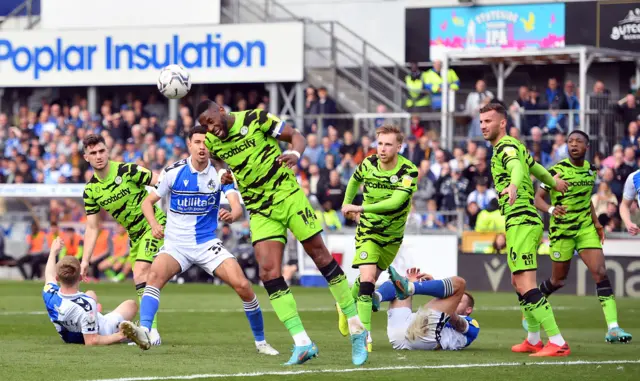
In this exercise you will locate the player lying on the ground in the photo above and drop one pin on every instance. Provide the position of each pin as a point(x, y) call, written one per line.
point(75, 314)
point(575, 227)
point(249, 142)
point(119, 188)
point(443, 323)
point(389, 182)
point(194, 191)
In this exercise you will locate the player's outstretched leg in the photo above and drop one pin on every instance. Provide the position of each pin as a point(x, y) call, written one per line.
point(438, 288)
point(230, 272)
point(269, 256)
point(140, 277)
point(594, 260)
point(339, 288)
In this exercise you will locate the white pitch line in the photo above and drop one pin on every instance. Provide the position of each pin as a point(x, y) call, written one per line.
point(316, 309)
point(407, 367)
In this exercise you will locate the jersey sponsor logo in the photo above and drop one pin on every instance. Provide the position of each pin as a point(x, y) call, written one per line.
point(582, 183)
point(510, 151)
point(123, 193)
point(193, 204)
point(249, 143)
point(528, 259)
point(373, 185)
point(406, 181)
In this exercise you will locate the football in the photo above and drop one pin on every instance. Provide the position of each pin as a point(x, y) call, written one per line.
point(174, 82)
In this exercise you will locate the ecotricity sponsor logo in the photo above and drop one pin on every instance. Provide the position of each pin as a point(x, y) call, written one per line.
point(628, 29)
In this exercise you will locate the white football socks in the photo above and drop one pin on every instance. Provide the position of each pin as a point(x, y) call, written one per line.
point(301, 339)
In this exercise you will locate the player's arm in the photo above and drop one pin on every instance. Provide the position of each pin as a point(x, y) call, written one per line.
point(233, 197)
point(540, 203)
point(95, 339)
point(597, 224)
point(354, 184)
point(162, 189)
point(91, 232)
point(551, 180)
point(628, 196)
point(50, 268)
point(459, 323)
point(399, 197)
point(272, 126)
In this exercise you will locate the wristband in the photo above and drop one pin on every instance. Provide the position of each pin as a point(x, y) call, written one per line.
point(551, 209)
point(293, 152)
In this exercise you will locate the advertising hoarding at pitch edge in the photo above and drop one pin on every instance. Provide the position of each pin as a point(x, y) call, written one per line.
point(619, 25)
point(496, 27)
point(211, 54)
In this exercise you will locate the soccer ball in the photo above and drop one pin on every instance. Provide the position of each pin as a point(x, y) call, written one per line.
point(174, 82)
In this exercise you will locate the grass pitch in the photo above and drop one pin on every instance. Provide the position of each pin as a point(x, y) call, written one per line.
point(206, 336)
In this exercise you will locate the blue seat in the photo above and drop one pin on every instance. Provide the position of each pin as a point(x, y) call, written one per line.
point(7, 6)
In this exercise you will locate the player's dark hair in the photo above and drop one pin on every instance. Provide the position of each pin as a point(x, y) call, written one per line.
point(472, 301)
point(197, 130)
point(581, 133)
point(204, 106)
point(91, 140)
point(494, 106)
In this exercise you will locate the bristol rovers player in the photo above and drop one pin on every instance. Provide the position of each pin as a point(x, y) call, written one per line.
point(443, 323)
point(75, 314)
point(194, 199)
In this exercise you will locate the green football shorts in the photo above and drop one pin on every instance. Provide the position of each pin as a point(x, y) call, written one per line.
point(370, 253)
point(562, 249)
point(145, 248)
point(294, 213)
point(522, 247)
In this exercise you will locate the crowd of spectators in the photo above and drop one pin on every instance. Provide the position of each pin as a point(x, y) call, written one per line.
point(44, 145)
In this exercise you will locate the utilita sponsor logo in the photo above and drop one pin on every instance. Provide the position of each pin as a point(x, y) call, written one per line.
point(628, 29)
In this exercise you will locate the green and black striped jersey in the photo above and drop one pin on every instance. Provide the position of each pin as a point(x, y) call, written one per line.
point(523, 211)
point(577, 199)
point(251, 150)
point(121, 194)
point(379, 185)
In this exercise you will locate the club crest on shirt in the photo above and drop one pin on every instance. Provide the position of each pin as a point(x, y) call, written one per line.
point(364, 255)
point(211, 185)
point(244, 130)
point(118, 180)
point(556, 254)
point(393, 179)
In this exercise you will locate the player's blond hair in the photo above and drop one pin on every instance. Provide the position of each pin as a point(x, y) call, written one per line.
point(419, 327)
point(391, 129)
point(68, 270)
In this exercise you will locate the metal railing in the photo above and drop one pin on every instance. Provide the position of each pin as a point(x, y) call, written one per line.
point(26, 6)
point(349, 66)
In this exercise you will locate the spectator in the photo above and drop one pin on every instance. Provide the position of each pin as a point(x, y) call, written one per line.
point(413, 152)
point(313, 152)
point(333, 191)
point(559, 151)
point(514, 133)
point(472, 215)
point(608, 176)
point(476, 100)
point(426, 184)
point(631, 139)
point(326, 105)
point(555, 121)
point(346, 168)
point(329, 217)
point(221, 101)
point(170, 138)
point(433, 219)
point(228, 238)
point(527, 101)
point(615, 159)
point(490, 219)
point(418, 100)
point(536, 137)
point(432, 80)
point(314, 179)
point(153, 107)
point(539, 155)
point(326, 150)
point(440, 160)
point(629, 109)
point(472, 147)
point(572, 104)
point(611, 218)
point(482, 195)
point(417, 128)
point(458, 161)
point(366, 149)
point(499, 245)
point(629, 159)
point(349, 146)
point(452, 189)
point(478, 169)
point(555, 97)
point(131, 154)
point(602, 198)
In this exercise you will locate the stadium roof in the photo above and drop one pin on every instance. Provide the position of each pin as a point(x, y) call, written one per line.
point(503, 62)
